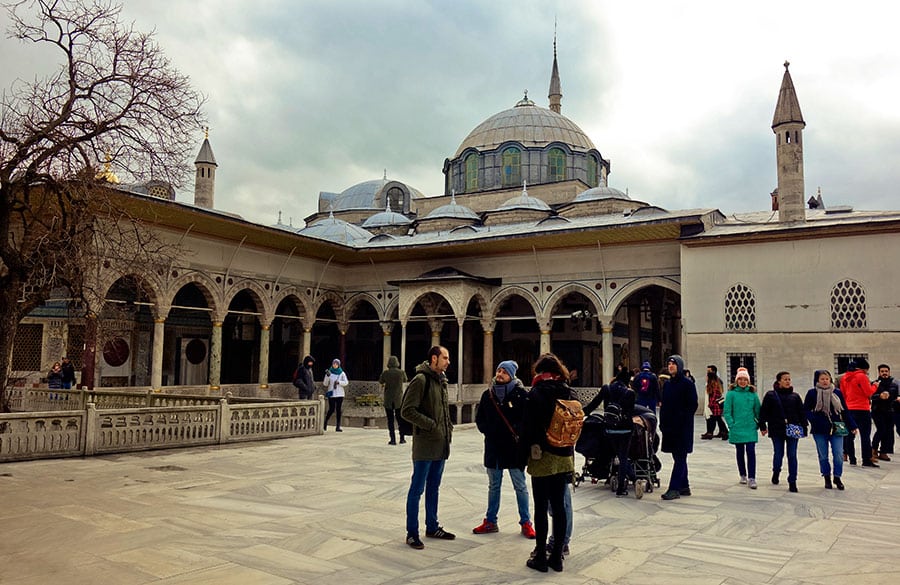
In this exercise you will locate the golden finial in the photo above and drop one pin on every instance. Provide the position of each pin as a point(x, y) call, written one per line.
point(206, 132)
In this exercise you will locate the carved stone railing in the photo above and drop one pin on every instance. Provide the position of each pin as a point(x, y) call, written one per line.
point(90, 431)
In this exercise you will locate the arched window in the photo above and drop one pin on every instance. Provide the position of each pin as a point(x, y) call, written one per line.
point(395, 199)
point(512, 167)
point(740, 308)
point(556, 164)
point(471, 173)
point(593, 172)
point(848, 305)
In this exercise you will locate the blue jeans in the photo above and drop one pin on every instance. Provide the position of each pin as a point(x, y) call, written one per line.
point(778, 444)
point(495, 479)
point(426, 477)
point(837, 453)
point(748, 470)
point(679, 478)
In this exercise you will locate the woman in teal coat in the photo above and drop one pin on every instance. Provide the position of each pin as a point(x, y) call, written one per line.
point(741, 412)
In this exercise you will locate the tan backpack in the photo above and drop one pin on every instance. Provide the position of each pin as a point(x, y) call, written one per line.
point(565, 426)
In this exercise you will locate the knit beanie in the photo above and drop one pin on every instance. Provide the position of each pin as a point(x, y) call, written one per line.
point(510, 366)
point(645, 366)
point(742, 373)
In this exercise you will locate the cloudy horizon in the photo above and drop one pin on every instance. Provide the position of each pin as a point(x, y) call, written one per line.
point(317, 96)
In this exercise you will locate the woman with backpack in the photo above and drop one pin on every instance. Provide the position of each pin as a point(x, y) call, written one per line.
point(550, 467)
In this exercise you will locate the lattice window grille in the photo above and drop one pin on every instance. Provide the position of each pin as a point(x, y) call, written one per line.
point(740, 308)
point(848, 305)
point(28, 347)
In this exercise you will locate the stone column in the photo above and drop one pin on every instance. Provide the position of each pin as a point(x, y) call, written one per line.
point(264, 356)
point(306, 342)
point(215, 357)
point(343, 347)
point(545, 327)
point(89, 355)
point(488, 354)
point(403, 346)
point(460, 348)
point(436, 327)
point(159, 331)
point(386, 329)
point(608, 358)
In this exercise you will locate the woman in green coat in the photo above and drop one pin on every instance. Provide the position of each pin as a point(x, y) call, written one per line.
point(741, 412)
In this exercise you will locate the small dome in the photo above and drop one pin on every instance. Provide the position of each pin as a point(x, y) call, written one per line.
point(453, 210)
point(386, 218)
point(528, 124)
point(335, 230)
point(524, 201)
point(365, 195)
point(601, 192)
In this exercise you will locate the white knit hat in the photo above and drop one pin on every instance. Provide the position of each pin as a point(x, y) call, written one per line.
point(742, 373)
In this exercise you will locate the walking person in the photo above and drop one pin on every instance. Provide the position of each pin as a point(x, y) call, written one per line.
point(883, 401)
point(550, 467)
point(715, 397)
point(303, 378)
point(426, 405)
point(781, 406)
point(392, 380)
point(829, 423)
point(741, 412)
point(676, 423)
point(499, 419)
point(646, 387)
point(857, 391)
point(335, 382)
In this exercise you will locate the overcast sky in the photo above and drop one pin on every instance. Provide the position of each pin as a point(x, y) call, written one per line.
point(310, 96)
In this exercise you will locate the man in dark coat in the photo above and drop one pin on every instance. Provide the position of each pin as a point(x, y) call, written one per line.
point(676, 422)
point(303, 378)
point(499, 418)
point(426, 405)
point(68, 373)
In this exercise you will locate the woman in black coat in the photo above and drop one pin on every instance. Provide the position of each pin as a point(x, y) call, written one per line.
point(780, 406)
point(676, 422)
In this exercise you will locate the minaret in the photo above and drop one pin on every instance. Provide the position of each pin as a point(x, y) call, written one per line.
point(555, 94)
point(788, 127)
point(205, 183)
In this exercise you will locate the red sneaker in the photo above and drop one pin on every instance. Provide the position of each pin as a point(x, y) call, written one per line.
point(486, 528)
point(528, 530)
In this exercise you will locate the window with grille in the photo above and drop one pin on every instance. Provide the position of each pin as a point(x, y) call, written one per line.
point(556, 164)
point(593, 172)
point(472, 172)
point(848, 305)
point(512, 167)
point(741, 360)
point(28, 347)
point(740, 308)
point(842, 361)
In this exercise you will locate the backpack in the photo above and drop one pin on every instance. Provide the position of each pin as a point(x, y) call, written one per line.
point(566, 423)
point(614, 417)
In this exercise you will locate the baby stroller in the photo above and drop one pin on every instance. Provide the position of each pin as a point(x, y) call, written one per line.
point(597, 448)
point(642, 452)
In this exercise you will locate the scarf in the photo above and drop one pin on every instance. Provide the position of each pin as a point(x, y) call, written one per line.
point(826, 401)
point(501, 390)
point(545, 376)
point(336, 371)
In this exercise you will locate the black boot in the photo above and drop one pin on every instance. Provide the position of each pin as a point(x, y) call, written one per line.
point(838, 483)
point(792, 486)
point(827, 482)
point(538, 560)
point(775, 475)
point(555, 561)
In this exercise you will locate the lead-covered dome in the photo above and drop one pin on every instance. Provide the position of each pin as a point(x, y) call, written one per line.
point(336, 230)
point(529, 125)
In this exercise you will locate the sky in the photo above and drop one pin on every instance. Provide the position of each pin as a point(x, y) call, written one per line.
point(306, 96)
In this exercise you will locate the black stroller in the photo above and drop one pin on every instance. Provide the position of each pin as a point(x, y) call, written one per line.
point(597, 444)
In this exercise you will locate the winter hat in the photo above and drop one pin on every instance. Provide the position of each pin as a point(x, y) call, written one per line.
point(742, 373)
point(645, 366)
point(510, 366)
point(859, 363)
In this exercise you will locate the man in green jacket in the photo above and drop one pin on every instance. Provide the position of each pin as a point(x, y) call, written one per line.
point(426, 406)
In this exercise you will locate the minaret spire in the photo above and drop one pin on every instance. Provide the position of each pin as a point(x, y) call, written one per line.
point(555, 94)
point(788, 124)
point(205, 181)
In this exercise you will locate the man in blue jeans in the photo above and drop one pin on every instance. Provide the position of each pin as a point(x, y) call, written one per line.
point(426, 406)
point(499, 418)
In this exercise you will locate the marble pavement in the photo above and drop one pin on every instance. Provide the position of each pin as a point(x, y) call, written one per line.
point(330, 510)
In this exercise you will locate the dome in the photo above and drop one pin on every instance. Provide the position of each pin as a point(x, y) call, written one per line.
point(365, 195)
point(524, 201)
point(386, 218)
point(601, 192)
point(335, 230)
point(529, 125)
point(453, 210)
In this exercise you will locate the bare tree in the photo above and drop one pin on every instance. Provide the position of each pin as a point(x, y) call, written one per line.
point(115, 98)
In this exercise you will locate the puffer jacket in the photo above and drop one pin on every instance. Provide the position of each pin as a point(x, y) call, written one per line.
point(857, 390)
point(501, 450)
point(779, 404)
point(741, 414)
point(820, 423)
point(426, 406)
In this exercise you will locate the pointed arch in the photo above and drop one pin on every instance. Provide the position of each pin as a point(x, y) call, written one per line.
point(560, 293)
point(207, 287)
point(519, 291)
point(362, 297)
point(259, 295)
point(299, 299)
point(624, 291)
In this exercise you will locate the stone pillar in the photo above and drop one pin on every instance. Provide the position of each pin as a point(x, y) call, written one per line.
point(89, 355)
point(343, 347)
point(215, 357)
point(436, 327)
point(545, 327)
point(403, 346)
point(460, 348)
point(634, 335)
point(159, 331)
point(264, 356)
point(386, 329)
point(488, 355)
point(607, 351)
point(307, 342)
